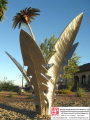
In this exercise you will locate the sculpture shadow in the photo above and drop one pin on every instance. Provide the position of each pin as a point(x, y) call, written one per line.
point(28, 113)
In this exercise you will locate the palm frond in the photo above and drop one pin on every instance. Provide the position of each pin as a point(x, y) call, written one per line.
point(19, 25)
point(25, 16)
point(23, 25)
point(4, 2)
point(3, 8)
point(32, 18)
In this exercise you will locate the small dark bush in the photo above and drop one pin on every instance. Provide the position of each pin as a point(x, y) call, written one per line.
point(8, 86)
point(11, 95)
point(15, 89)
point(30, 97)
point(80, 92)
point(19, 92)
point(70, 84)
point(64, 91)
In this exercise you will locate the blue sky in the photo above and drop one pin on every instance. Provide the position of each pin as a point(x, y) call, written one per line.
point(55, 15)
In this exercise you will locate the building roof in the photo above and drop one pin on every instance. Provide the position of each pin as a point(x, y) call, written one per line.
point(84, 67)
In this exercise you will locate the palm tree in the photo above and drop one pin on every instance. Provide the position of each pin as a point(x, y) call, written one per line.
point(24, 17)
point(3, 8)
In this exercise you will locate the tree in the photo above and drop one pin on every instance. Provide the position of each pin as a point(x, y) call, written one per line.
point(47, 47)
point(24, 17)
point(3, 8)
point(71, 68)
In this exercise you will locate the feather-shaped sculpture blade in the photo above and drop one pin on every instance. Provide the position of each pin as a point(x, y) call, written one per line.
point(62, 48)
point(20, 67)
point(24, 74)
point(34, 59)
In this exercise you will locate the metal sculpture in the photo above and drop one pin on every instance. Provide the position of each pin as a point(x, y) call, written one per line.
point(72, 51)
point(44, 80)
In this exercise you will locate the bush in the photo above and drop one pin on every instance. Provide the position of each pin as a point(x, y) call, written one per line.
point(19, 92)
point(80, 92)
point(15, 89)
point(30, 97)
point(11, 95)
point(70, 84)
point(8, 86)
point(64, 91)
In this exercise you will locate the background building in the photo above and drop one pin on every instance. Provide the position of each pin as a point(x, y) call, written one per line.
point(82, 78)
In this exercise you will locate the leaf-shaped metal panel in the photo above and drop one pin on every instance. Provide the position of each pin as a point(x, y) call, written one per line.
point(34, 59)
point(62, 48)
point(20, 67)
point(24, 74)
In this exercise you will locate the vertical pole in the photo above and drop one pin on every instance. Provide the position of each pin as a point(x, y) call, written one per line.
point(22, 81)
point(22, 77)
point(31, 31)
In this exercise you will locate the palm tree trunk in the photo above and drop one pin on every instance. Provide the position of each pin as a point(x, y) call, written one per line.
point(31, 31)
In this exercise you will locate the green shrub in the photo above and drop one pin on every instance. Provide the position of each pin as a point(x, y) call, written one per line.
point(69, 84)
point(8, 86)
point(30, 97)
point(15, 89)
point(11, 95)
point(64, 91)
point(19, 92)
point(80, 92)
point(30, 91)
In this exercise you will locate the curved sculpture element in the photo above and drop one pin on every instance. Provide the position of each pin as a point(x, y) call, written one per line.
point(62, 48)
point(20, 67)
point(63, 45)
point(72, 51)
point(34, 59)
point(24, 74)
